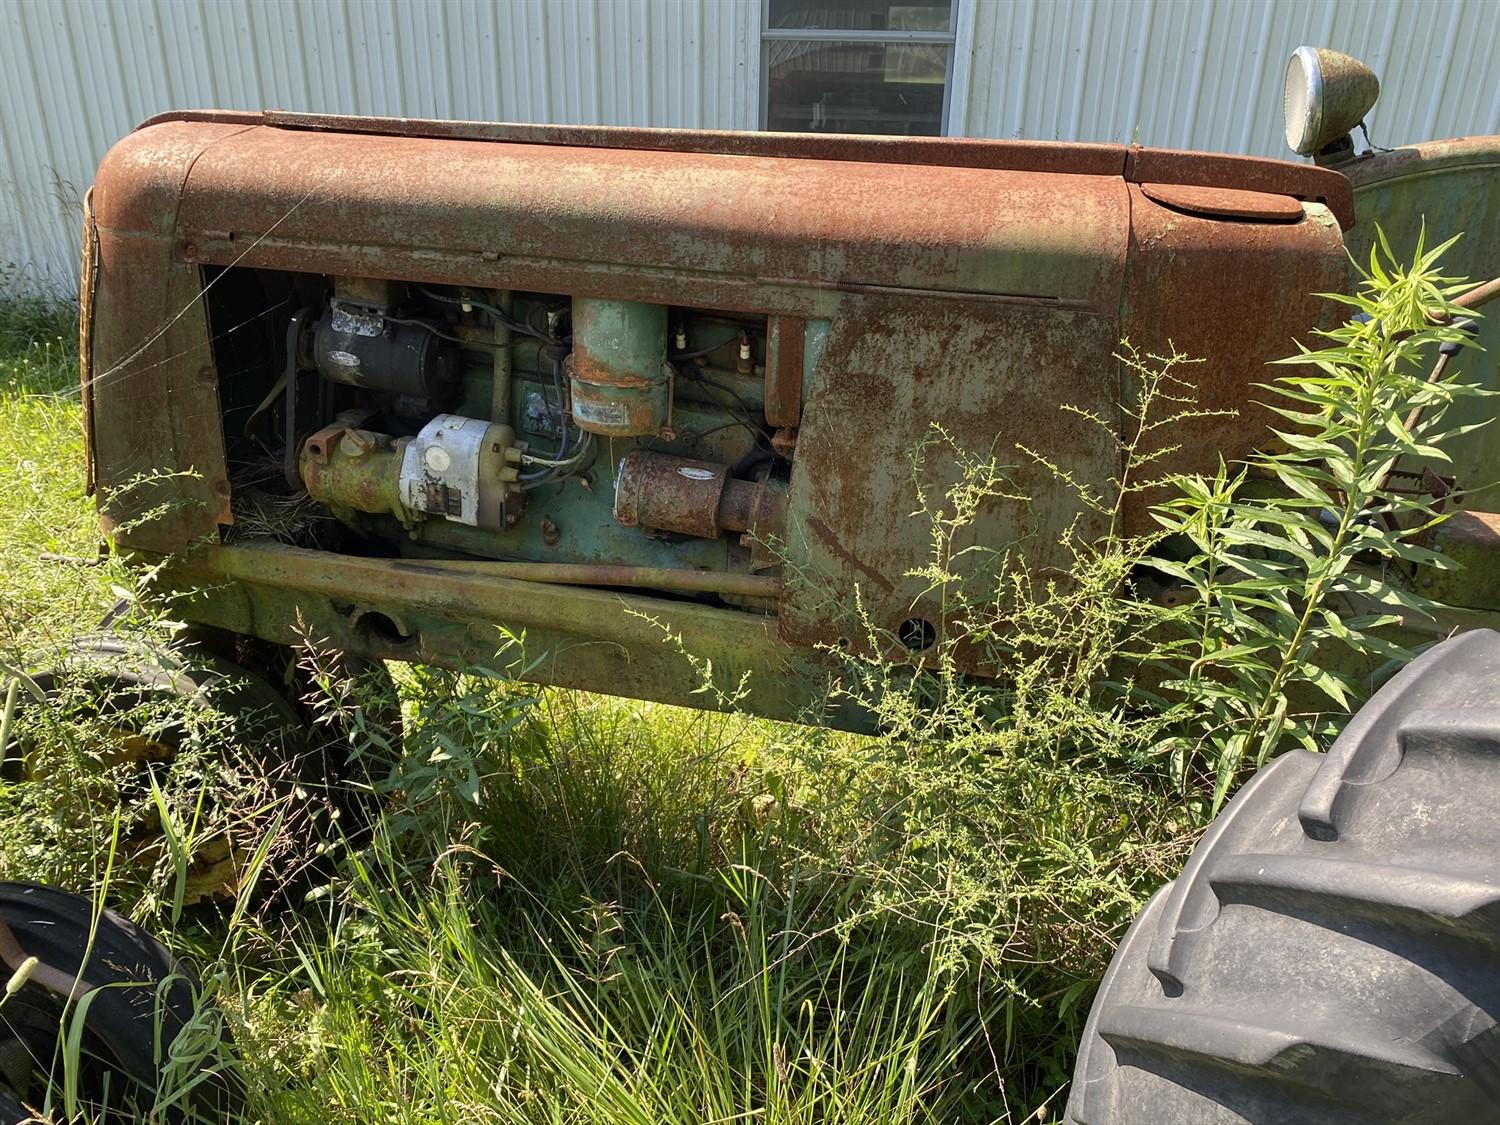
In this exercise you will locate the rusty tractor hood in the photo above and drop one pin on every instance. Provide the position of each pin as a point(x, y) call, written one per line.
point(727, 217)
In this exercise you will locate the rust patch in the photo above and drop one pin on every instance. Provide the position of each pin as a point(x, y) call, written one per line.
point(655, 490)
point(949, 152)
point(1134, 163)
point(785, 337)
point(698, 498)
point(1232, 294)
point(1244, 173)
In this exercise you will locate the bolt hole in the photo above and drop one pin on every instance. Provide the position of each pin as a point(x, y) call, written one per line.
point(382, 630)
point(917, 634)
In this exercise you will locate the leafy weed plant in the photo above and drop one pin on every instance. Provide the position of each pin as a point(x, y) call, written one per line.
point(1293, 585)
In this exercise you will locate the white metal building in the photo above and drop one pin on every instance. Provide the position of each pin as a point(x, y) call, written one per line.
point(77, 74)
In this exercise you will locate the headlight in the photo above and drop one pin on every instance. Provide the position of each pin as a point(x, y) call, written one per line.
point(1327, 94)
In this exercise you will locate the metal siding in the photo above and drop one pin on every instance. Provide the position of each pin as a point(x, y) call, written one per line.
point(1206, 74)
point(77, 75)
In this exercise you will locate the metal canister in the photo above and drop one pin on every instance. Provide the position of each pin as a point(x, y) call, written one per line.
point(618, 375)
point(699, 498)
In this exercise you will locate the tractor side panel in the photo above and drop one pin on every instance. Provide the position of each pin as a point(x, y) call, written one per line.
point(1233, 284)
point(949, 380)
point(158, 454)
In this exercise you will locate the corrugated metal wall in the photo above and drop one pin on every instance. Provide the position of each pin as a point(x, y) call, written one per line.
point(77, 74)
point(1207, 75)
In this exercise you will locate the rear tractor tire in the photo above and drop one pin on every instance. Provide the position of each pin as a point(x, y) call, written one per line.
point(1331, 952)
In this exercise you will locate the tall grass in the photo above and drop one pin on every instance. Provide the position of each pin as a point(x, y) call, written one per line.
point(580, 909)
point(42, 506)
point(592, 952)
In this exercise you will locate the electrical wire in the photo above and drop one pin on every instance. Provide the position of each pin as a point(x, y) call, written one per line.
point(559, 465)
point(744, 418)
point(526, 458)
point(561, 452)
point(736, 424)
point(724, 343)
point(677, 357)
point(557, 475)
point(508, 321)
point(727, 389)
point(585, 448)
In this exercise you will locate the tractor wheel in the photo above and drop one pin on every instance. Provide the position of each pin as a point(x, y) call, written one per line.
point(137, 706)
point(357, 735)
point(1331, 952)
point(103, 1011)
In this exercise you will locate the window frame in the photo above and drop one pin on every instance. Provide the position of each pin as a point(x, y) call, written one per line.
point(958, 37)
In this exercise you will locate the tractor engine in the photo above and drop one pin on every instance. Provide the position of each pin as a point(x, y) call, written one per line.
point(439, 416)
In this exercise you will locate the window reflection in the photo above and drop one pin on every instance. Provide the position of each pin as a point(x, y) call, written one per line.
point(856, 87)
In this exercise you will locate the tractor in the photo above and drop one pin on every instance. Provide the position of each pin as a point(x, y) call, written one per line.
point(409, 386)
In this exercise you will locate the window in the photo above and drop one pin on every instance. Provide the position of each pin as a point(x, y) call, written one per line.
point(858, 66)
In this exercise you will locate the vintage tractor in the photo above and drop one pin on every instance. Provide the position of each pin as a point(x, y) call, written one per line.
point(400, 385)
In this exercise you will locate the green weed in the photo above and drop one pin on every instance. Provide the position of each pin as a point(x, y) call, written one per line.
point(1292, 586)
